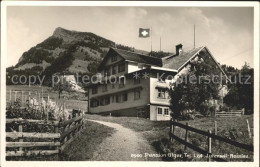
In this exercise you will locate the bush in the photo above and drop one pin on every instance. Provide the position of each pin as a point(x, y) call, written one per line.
point(204, 109)
point(223, 108)
point(195, 142)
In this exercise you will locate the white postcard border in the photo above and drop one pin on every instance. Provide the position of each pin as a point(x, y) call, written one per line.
point(4, 6)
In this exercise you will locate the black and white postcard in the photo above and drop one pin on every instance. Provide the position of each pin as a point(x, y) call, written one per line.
point(105, 83)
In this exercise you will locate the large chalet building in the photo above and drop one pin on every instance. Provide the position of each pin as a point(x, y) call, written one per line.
point(131, 83)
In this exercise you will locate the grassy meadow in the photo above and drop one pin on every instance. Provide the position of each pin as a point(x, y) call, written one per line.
point(84, 145)
point(156, 133)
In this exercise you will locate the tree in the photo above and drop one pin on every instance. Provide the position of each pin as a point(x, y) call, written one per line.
point(194, 87)
point(60, 84)
point(241, 89)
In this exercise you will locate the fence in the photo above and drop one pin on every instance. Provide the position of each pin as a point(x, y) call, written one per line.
point(237, 113)
point(209, 135)
point(64, 133)
point(70, 129)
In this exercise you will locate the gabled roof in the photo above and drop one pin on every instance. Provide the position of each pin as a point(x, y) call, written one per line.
point(176, 62)
point(133, 56)
point(139, 58)
point(173, 62)
point(179, 61)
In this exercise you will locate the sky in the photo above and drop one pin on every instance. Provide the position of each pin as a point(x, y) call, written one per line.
point(226, 31)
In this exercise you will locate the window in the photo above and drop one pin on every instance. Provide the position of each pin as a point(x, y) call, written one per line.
point(94, 103)
point(137, 81)
point(161, 93)
point(124, 97)
point(107, 101)
point(113, 58)
point(166, 111)
point(118, 98)
point(113, 99)
point(113, 82)
point(159, 111)
point(121, 67)
point(121, 98)
point(113, 69)
point(94, 90)
point(104, 88)
point(101, 102)
point(140, 65)
point(121, 82)
point(107, 72)
point(137, 94)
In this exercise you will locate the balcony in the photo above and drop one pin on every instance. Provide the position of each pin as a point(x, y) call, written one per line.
point(162, 85)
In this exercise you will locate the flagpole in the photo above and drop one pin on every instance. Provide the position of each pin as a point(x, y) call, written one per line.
point(151, 41)
point(194, 36)
point(160, 44)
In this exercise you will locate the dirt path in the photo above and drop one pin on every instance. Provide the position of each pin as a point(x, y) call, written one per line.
point(123, 145)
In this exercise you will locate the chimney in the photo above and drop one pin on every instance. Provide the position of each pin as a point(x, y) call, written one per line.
point(178, 49)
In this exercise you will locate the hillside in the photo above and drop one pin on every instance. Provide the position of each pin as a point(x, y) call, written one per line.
point(66, 51)
point(79, 47)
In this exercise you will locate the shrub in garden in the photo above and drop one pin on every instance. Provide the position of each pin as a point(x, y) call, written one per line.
point(204, 109)
point(223, 108)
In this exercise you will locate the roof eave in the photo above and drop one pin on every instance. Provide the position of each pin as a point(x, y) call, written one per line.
point(190, 58)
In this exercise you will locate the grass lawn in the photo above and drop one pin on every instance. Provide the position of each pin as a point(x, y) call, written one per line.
point(83, 146)
point(156, 133)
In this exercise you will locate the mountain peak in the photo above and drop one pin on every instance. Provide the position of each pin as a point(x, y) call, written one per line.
point(60, 31)
point(68, 35)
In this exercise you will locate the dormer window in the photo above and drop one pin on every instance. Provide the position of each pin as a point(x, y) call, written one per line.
point(113, 58)
point(121, 67)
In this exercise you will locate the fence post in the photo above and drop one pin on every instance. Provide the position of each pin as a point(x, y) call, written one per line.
point(15, 94)
point(11, 96)
point(216, 128)
point(186, 136)
point(209, 147)
point(248, 128)
point(29, 97)
point(39, 101)
point(47, 108)
point(22, 99)
point(171, 129)
point(20, 139)
point(56, 130)
point(63, 108)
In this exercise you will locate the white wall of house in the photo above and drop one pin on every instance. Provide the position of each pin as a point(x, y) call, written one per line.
point(155, 87)
point(158, 101)
point(132, 67)
point(155, 116)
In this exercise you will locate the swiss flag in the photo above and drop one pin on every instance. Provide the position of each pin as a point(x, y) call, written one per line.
point(144, 32)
